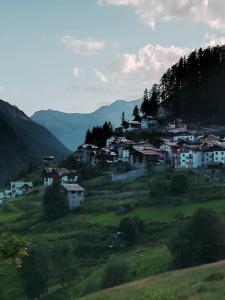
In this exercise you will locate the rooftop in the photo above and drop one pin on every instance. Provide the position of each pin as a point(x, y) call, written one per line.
point(73, 187)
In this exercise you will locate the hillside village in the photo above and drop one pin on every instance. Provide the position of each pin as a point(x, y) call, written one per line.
point(68, 180)
point(177, 147)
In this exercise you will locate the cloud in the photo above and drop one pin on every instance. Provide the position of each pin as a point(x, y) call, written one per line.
point(1, 88)
point(101, 76)
point(77, 72)
point(209, 12)
point(84, 47)
point(213, 40)
point(145, 66)
point(130, 73)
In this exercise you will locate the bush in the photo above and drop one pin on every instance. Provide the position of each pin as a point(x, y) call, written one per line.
point(159, 187)
point(132, 229)
point(215, 276)
point(92, 286)
point(115, 273)
point(179, 184)
point(200, 241)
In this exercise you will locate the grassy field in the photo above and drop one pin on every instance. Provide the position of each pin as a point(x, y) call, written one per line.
point(202, 283)
point(91, 228)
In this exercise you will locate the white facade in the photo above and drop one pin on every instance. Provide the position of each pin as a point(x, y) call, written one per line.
point(217, 156)
point(2, 197)
point(184, 137)
point(189, 159)
point(126, 155)
point(74, 195)
point(133, 125)
point(176, 128)
point(144, 124)
point(48, 181)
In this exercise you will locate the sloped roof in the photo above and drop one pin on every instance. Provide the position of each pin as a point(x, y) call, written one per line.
point(59, 171)
point(20, 184)
point(73, 187)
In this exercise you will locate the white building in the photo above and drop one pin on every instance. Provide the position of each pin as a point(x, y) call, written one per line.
point(148, 122)
point(176, 127)
point(187, 136)
point(2, 197)
point(187, 158)
point(19, 188)
point(133, 125)
point(74, 194)
point(215, 154)
point(62, 175)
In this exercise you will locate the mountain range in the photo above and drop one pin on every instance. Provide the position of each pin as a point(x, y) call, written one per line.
point(23, 142)
point(70, 128)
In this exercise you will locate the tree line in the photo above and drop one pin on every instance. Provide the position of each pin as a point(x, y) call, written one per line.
point(99, 135)
point(193, 88)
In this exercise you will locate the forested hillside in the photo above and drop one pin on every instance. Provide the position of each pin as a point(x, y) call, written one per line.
point(194, 88)
point(23, 142)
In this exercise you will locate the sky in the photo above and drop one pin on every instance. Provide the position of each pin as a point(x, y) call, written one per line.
point(77, 55)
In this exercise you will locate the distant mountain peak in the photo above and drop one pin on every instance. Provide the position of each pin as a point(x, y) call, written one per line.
point(70, 128)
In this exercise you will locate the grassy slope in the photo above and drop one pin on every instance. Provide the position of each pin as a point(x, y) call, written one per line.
point(201, 283)
point(24, 217)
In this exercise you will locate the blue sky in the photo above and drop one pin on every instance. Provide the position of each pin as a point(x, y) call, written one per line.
point(75, 55)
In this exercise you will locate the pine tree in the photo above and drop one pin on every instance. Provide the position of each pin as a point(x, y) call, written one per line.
point(88, 138)
point(145, 103)
point(54, 202)
point(154, 100)
point(136, 114)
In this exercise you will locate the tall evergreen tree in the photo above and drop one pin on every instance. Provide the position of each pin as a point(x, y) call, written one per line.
point(136, 114)
point(145, 103)
point(88, 138)
point(154, 100)
point(54, 203)
point(188, 88)
point(98, 135)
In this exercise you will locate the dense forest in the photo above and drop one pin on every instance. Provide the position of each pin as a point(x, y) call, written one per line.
point(99, 135)
point(193, 88)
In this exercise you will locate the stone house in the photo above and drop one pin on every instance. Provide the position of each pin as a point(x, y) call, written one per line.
point(74, 194)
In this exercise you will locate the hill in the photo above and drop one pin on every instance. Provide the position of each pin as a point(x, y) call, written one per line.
point(23, 142)
point(201, 283)
point(70, 128)
point(193, 88)
point(90, 232)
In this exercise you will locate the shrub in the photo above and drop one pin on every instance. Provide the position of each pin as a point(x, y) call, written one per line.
point(215, 276)
point(179, 184)
point(200, 241)
point(115, 273)
point(159, 187)
point(132, 229)
point(92, 286)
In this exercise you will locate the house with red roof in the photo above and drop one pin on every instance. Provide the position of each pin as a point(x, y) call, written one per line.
point(61, 175)
point(144, 153)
